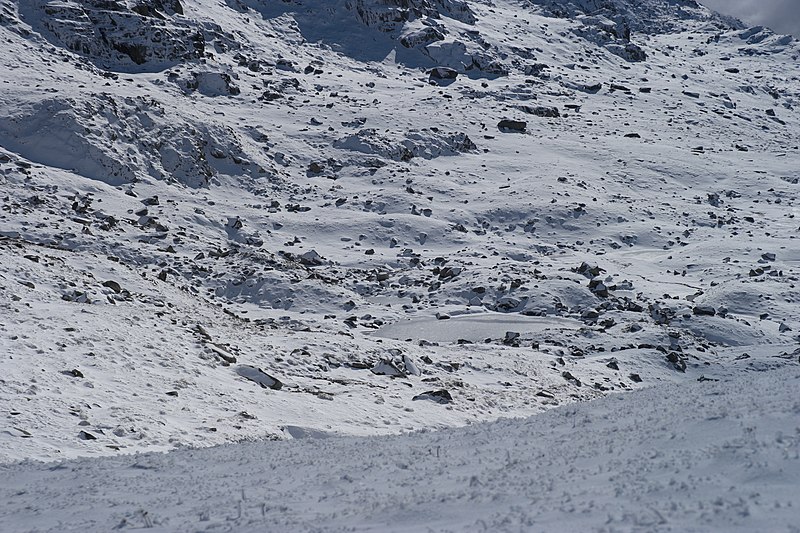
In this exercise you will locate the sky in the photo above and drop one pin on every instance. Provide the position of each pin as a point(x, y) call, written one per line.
point(783, 16)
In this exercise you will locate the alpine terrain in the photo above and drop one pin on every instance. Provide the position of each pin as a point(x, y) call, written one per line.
point(371, 223)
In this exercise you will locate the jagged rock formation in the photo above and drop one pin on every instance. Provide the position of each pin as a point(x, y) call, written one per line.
point(118, 34)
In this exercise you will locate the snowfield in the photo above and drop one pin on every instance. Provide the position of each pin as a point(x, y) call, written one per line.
point(710, 456)
point(229, 223)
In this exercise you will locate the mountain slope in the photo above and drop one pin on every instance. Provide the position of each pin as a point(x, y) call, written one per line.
point(194, 190)
point(717, 457)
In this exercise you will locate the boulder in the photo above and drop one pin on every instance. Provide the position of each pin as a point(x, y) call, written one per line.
point(508, 125)
point(259, 376)
point(439, 396)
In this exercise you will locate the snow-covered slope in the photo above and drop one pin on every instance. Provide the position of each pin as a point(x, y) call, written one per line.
point(223, 220)
point(685, 458)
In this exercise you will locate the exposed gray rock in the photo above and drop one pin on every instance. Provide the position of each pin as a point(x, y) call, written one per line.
point(259, 376)
point(517, 126)
point(387, 367)
point(541, 111)
point(116, 34)
point(439, 396)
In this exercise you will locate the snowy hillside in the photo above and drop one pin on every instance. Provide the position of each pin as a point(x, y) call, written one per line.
point(714, 457)
point(240, 220)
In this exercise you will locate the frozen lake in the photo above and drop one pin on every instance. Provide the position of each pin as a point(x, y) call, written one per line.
point(476, 327)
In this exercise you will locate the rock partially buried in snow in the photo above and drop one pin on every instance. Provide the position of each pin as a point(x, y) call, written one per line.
point(299, 432)
point(85, 435)
point(438, 396)
point(443, 75)
point(259, 376)
point(541, 111)
point(311, 258)
point(388, 368)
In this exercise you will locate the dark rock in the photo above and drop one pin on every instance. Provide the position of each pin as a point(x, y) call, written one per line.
point(422, 37)
point(512, 125)
point(541, 111)
point(537, 69)
point(591, 88)
point(114, 34)
point(507, 304)
point(569, 377)
point(589, 271)
point(599, 288)
point(511, 338)
point(448, 273)
point(85, 435)
point(590, 314)
point(635, 378)
point(704, 310)
point(439, 396)
point(259, 376)
point(630, 52)
point(443, 74)
point(316, 167)
point(677, 360)
point(311, 258)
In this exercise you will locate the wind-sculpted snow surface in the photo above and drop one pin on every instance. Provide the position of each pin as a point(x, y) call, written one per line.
point(696, 457)
point(405, 215)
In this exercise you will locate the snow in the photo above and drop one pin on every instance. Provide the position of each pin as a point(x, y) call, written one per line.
point(232, 223)
point(712, 456)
